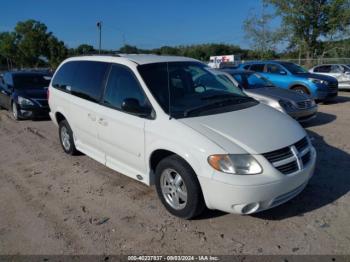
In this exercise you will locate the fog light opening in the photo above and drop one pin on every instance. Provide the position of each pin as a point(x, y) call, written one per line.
point(250, 208)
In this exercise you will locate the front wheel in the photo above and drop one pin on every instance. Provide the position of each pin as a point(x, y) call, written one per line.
point(178, 188)
point(15, 112)
point(66, 138)
point(301, 90)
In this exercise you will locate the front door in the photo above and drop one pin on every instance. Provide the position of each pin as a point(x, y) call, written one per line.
point(120, 133)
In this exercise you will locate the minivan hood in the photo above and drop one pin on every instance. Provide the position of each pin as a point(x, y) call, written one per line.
point(255, 130)
point(33, 93)
point(277, 94)
point(317, 76)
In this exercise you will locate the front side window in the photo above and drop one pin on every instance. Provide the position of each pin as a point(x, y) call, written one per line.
point(336, 69)
point(121, 85)
point(294, 68)
point(273, 69)
point(190, 88)
point(30, 81)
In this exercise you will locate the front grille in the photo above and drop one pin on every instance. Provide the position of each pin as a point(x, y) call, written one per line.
point(42, 102)
point(304, 104)
point(290, 159)
point(306, 158)
point(278, 155)
point(301, 144)
point(289, 168)
point(333, 86)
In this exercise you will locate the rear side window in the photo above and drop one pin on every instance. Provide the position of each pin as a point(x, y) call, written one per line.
point(82, 78)
point(64, 77)
point(122, 84)
point(88, 80)
point(323, 69)
point(257, 67)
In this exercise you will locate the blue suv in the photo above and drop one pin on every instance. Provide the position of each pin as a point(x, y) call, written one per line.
point(291, 76)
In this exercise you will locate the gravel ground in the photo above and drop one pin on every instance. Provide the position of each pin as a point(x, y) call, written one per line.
point(51, 203)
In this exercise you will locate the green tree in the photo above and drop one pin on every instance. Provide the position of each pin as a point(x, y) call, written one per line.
point(57, 51)
point(263, 39)
point(8, 48)
point(309, 22)
point(129, 49)
point(32, 42)
point(84, 49)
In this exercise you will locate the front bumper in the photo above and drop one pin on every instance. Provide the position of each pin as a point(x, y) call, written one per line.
point(303, 115)
point(250, 197)
point(33, 112)
point(326, 92)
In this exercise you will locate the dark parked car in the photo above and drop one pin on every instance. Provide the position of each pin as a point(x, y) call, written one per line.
point(25, 94)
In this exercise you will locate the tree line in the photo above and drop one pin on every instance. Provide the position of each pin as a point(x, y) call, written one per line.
point(32, 45)
point(309, 29)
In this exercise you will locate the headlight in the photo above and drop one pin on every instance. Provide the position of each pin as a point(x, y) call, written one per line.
point(286, 105)
point(24, 101)
point(318, 81)
point(235, 164)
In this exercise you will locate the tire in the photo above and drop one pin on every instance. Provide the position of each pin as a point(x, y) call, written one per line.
point(66, 138)
point(301, 90)
point(14, 111)
point(180, 181)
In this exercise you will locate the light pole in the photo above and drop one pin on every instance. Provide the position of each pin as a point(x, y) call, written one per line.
point(99, 26)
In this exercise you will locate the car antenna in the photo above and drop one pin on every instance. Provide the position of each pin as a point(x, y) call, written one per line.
point(169, 95)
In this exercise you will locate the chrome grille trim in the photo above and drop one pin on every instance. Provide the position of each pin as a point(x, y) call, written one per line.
point(304, 104)
point(290, 159)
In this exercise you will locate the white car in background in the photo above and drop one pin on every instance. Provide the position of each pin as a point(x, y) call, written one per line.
point(169, 121)
point(339, 71)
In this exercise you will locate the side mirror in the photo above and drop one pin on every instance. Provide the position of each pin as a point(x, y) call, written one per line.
point(282, 72)
point(132, 105)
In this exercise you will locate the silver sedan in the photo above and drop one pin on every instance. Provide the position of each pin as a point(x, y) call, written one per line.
point(339, 71)
point(299, 106)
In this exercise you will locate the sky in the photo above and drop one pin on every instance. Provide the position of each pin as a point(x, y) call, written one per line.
point(144, 23)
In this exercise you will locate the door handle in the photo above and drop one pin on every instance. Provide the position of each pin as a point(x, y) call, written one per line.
point(92, 117)
point(102, 122)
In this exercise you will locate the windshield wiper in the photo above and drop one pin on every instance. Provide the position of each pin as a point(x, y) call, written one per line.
point(219, 103)
point(202, 107)
point(226, 96)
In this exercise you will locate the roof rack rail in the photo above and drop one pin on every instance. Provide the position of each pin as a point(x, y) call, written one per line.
point(94, 54)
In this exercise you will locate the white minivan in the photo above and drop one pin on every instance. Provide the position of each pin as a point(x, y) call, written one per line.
point(171, 122)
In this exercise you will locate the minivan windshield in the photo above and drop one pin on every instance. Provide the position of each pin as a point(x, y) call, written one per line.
point(251, 80)
point(294, 68)
point(191, 89)
point(30, 81)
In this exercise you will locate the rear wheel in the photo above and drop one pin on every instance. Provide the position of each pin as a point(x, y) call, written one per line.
point(178, 188)
point(301, 90)
point(66, 138)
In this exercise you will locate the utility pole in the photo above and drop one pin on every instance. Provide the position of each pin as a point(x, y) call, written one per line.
point(99, 26)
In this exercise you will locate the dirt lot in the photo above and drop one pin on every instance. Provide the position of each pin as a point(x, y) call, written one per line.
point(51, 203)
